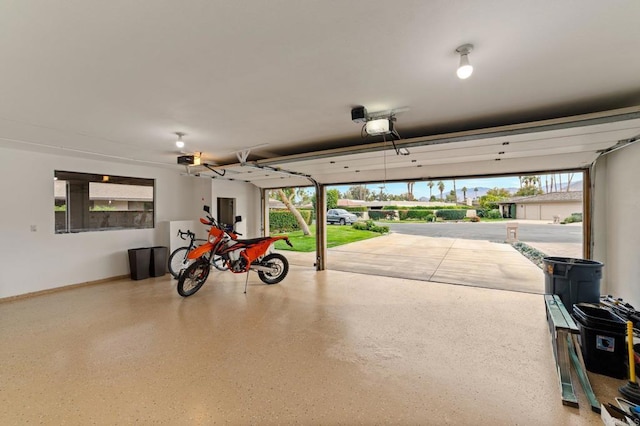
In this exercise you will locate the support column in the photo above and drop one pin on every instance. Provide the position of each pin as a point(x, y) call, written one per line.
point(321, 227)
point(586, 214)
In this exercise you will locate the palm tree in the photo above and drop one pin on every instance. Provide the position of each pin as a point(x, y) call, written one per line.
point(476, 191)
point(464, 193)
point(569, 178)
point(430, 185)
point(455, 193)
point(287, 199)
point(410, 190)
point(441, 188)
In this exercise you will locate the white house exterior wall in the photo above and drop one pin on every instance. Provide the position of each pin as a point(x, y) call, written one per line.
point(546, 211)
point(562, 210)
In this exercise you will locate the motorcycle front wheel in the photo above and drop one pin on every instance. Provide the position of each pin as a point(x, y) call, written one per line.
point(192, 278)
point(279, 265)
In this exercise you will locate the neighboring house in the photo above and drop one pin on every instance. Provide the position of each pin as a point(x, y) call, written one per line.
point(276, 204)
point(554, 205)
point(114, 196)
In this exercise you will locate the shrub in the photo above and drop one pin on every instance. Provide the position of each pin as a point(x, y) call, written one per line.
point(481, 212)
point(360, 225)
point(474, 219)
point(451, 214)
point(283, 220)
point(418, 214)
point(494, 214)
point(575, 217)
point(381, 214)
point(370, 226)
point(415, 214)
point(355, 209)
point(430, 217)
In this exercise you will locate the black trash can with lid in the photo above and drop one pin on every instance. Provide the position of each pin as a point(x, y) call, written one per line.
point(574, 280)
point(158, 263)
point(602, 340)
point(139, 260)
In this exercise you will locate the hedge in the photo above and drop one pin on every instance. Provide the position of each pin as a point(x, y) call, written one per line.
point(308, 215)
point(451, 214)
point(415, 214)
point(283, 220)
point(379, 214)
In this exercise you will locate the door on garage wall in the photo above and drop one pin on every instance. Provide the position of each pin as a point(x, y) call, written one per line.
point(226, 210)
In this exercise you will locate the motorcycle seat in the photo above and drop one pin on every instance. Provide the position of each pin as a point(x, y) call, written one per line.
point(253, 240)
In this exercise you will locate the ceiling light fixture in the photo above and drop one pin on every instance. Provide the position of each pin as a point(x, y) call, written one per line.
point(464, 69)
point(180, 142)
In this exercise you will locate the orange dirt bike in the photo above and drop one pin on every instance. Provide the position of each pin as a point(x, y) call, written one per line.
point(239, 256)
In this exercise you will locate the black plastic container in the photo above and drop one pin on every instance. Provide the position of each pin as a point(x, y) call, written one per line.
point(139, 260)
point(602, 340)
point(158, 263)
point(574, 280)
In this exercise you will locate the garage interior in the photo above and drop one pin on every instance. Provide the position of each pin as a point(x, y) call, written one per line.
point(263, 95)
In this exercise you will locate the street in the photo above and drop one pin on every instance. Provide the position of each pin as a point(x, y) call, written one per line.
point(492, 231)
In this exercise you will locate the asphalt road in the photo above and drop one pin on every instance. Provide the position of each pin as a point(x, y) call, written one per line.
point(492, 231)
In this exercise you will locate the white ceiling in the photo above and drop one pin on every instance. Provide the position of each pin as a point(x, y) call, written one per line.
point(114, 80)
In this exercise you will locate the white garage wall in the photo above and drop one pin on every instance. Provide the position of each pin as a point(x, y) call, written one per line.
point(247, 204)
point(34, 261)
point(617, 222)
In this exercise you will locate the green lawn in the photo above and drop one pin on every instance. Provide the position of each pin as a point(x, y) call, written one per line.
point(336, 236)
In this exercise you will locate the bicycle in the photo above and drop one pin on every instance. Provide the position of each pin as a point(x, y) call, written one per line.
point(178, 260)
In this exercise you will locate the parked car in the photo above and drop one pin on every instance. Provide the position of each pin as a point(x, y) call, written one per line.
point(341, 216)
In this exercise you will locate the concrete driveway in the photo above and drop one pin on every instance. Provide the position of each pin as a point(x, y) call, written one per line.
point(446, 260)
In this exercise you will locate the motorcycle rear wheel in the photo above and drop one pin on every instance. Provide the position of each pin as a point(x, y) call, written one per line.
point(192, 278)
point(280, 267)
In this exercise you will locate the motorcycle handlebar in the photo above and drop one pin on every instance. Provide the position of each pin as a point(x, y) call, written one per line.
point(182, 234)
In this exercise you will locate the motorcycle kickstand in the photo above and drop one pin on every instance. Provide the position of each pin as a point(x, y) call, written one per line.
point(246, 281)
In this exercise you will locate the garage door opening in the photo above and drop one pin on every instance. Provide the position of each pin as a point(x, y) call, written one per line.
point(455, 231)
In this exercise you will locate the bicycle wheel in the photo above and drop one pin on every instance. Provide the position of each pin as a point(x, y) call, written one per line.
point(178, 261)
point(193, 277)
point(279, 268)
point(219, 263)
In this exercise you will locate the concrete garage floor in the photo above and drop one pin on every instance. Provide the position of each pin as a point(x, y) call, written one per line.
point(320, 348)
point(447, 260)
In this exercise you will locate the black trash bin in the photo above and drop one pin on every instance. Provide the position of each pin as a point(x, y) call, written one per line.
point(602, 340)
point(139, 260)
point(158, 264)
point(574, 280)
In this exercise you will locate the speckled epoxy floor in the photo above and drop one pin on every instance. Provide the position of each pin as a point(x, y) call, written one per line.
point(319, 348)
